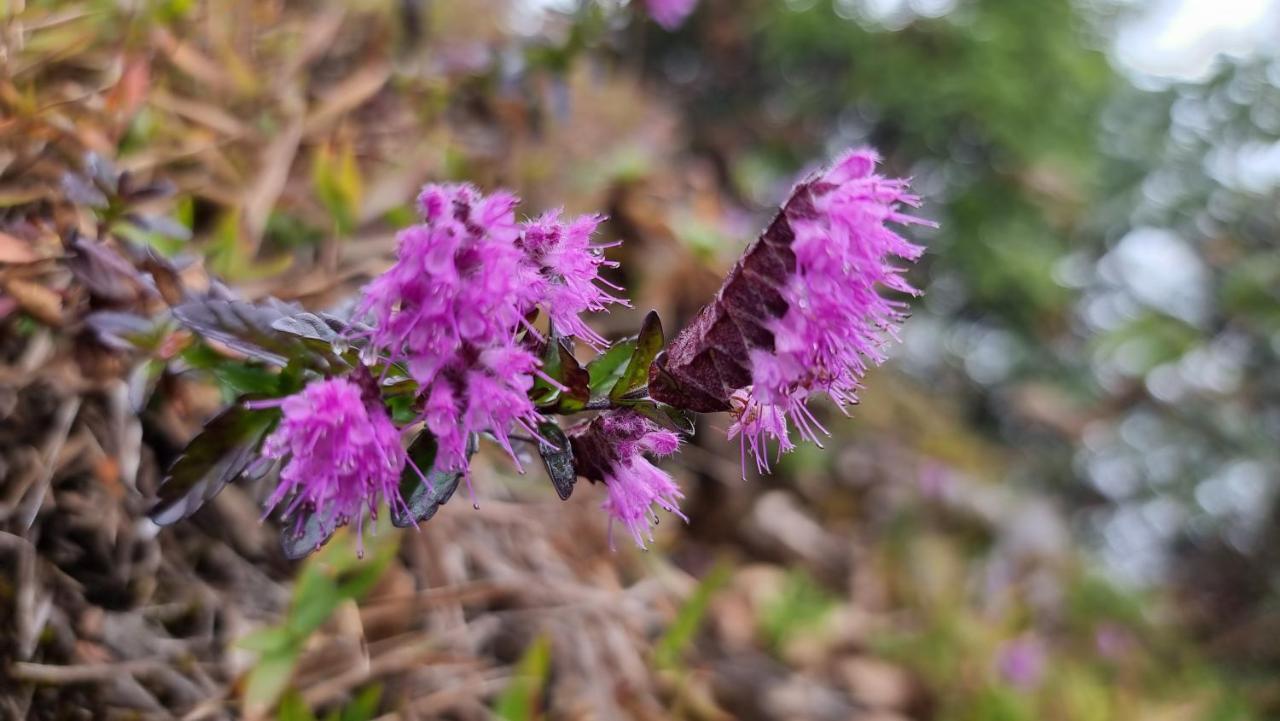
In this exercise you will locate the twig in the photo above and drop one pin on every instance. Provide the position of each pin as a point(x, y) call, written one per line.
point(53, 447)
point(80, 673)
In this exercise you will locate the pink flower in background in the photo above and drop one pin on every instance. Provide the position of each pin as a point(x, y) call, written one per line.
point(1113, 641)
point(1022, 661)
point(564, 270)
point(670, 13)
point(344, 453)
point(611, 448)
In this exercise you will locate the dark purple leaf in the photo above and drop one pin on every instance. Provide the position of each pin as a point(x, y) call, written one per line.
point(310, 533)
point(215, 457)
point(422, 500)
point(709, 359)
point(309, 326)
point(81, 191)
point(105, 272)
point(102, 171)
point(123, 331)
point(160, 224)
point(245, 327)
point(558, 458)
point(151, 191)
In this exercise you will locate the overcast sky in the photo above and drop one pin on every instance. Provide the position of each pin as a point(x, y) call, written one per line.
point(1180, 39)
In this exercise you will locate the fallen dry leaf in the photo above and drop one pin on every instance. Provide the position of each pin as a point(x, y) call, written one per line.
point(42, 303)
point(16, 251)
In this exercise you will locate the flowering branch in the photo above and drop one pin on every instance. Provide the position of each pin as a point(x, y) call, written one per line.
point(444, 348)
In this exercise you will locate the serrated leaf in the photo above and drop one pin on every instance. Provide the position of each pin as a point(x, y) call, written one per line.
point(557, 458)
point(422, 500)
point(299, 542)
point(609, 366)
point(668, 417)
point(215, 457)
point(105, 272)
point(244, 327)
point(127, 331)
point(323, 334)
point(308, 325)
point(648, 344)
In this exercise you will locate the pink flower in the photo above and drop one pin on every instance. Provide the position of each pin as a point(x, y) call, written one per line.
point(455, 283)
point(611, 449)
point(487, 393)
point(754, 421)
point(449, 310)
point(344, 453)
point(564, 269)
point(670, 13)
point(801, 314)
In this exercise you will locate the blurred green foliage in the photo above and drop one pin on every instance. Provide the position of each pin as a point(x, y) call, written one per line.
point(521, 701)
point(334, 575)
point(1100, 303)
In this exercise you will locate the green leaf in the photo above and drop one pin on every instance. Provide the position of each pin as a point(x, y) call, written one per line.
point(365, 705)
point(573, 377)
point(609, 366)
point(800, 605)
point(403, 411)
point(214, 458)
point(267, 640)
point(315, 596)
point(357, 579)
point(522, 699)
point(245, 378)
point(294, 708)
point(679, 637)
point(557, 458)
point(544, 393)
point(335, 176)
point(267, 681)
point(648, 344)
